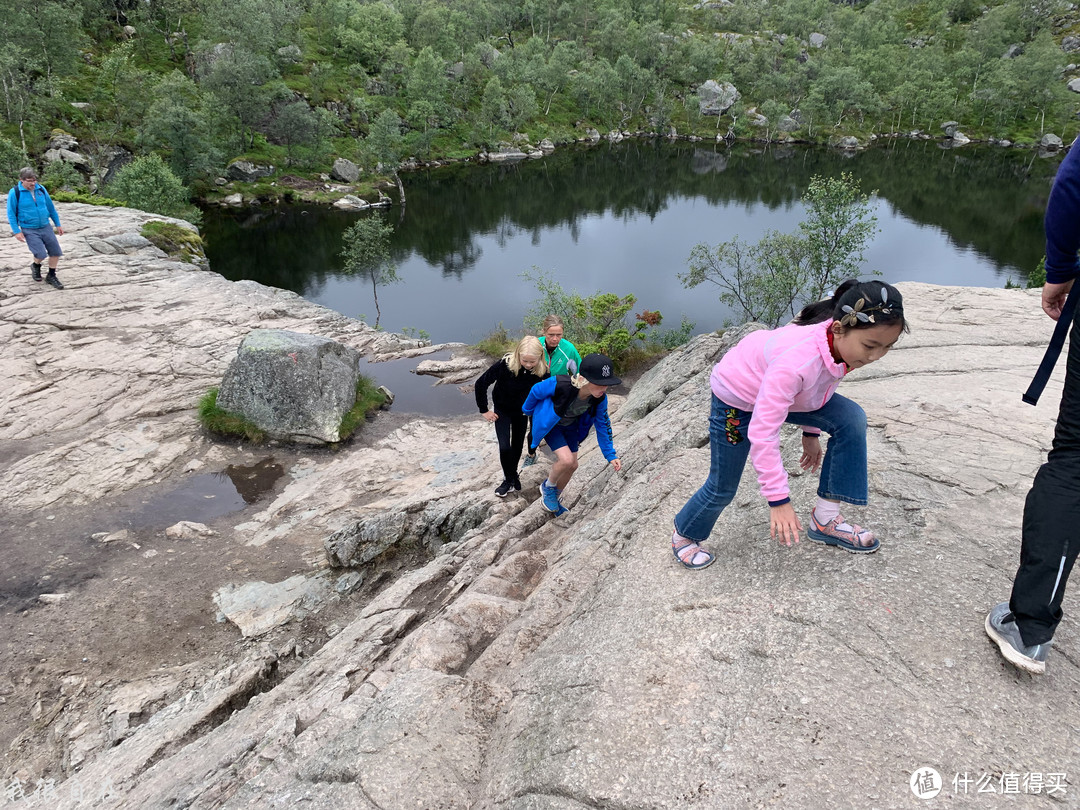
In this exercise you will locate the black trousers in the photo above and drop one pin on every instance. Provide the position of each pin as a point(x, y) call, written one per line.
point(510, 429)
point(1051, 530)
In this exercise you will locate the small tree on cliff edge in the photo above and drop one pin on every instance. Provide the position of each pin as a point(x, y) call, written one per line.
point(770, 281)
point(366, 252)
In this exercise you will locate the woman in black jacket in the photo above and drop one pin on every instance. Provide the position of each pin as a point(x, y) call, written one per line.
point(513, 377)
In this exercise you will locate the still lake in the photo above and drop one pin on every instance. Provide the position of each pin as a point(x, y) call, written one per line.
point(623, 218)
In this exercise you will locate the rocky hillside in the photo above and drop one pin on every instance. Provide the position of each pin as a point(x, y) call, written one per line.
point(531, 663)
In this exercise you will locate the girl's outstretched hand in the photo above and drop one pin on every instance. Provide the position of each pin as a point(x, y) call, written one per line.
point(616, 464)
point(491, 416)
point(784, 524)
point(811, 453)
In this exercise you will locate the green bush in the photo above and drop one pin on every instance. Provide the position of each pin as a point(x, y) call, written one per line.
point(12, 159)
point(59, 176)
point(601, 322)
point(89, 199)
point(149, 185)
point(497, 343)
point(1037, 279)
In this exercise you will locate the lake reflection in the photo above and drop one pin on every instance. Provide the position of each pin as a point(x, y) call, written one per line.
point(622, 218)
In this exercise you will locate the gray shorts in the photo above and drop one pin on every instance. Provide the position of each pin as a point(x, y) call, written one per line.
point(42, 242)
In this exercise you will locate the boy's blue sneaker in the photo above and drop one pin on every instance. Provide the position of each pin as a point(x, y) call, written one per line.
point(550, 498)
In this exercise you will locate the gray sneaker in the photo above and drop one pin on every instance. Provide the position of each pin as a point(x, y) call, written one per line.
point(1001, 627)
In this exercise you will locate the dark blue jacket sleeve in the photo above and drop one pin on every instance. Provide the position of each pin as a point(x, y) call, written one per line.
point(1063, 220)
point(604, 436)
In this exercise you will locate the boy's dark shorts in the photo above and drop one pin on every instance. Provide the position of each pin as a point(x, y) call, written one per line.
point(42, 242)
point(563, 436)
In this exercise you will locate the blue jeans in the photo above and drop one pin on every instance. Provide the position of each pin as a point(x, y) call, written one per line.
point(843, 470)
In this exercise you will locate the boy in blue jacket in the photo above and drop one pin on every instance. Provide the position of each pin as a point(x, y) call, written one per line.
point(29, 209)
point(563, 409)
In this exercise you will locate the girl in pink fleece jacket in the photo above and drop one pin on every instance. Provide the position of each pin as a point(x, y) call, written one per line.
point(790, 374)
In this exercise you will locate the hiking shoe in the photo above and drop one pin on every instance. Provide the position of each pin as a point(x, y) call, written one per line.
point(1001, 627)
point(516, 484)
point(52, 280)
point(550, 498)
point(503, 488)
point(530, 459)
point(35, 272)
point(843, 535)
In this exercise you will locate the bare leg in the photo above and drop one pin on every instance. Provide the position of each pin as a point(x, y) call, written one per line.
point(565, 464)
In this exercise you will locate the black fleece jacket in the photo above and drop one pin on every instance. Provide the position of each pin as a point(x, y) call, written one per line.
point(510, 389)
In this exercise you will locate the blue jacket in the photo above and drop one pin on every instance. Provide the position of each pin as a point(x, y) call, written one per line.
point(1062, 221)
point(35, 210)
point(549, 399)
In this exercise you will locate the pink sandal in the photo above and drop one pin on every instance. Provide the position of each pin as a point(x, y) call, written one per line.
point(689, 553)
point(853, 538)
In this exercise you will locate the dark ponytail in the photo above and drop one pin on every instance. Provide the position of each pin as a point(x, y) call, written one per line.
point(858, 305)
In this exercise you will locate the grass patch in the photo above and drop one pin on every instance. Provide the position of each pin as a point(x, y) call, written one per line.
point(223, 423)
point(497, 343)
point(368, 400)
point(80, 197)
point(179, 242)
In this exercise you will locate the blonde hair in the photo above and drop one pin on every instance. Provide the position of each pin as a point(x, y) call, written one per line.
point(550, 321)
point(528, 346)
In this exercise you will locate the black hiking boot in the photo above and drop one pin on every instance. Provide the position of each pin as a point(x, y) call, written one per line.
point(52, 280)
point(35, 271)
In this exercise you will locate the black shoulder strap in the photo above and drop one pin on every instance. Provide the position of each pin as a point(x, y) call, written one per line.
point(1057, 340)
point(17, 195)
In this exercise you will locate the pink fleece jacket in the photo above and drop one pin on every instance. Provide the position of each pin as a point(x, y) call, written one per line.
point(772, 372)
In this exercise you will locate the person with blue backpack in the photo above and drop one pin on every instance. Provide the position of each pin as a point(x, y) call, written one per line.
point(564, 408)
point(29, 210)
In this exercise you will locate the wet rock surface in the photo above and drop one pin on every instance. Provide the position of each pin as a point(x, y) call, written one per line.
point(520, 661)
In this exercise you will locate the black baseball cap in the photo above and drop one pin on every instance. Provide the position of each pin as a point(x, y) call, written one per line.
point(597, 369)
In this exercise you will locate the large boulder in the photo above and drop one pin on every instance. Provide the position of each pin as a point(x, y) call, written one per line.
point(345, 171)
point(716, 98)
point(76, 159)
point(295, 387)
point(1050, 141)
point(59, 139)
point(248, 172)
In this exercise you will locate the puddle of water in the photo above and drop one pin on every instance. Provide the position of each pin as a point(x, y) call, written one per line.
point(254, 481)
point(418, 393)
point(207, 496)
point(48, 556)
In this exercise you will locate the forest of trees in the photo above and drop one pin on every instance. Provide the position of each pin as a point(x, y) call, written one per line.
point(299, 82)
